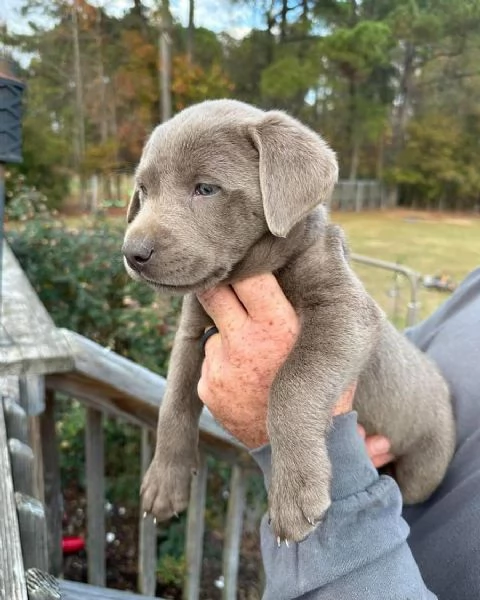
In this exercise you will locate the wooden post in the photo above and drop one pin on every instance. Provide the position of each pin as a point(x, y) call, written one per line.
point(52, 485)
point(38, 476)
point(21, 459)
point(95, 469)
point(12, 581)
point(195, 531)
point(32, 399)
point(16, 420)
point(147, 543)
point(32, 394)
point(233, 532)
point(33, 532)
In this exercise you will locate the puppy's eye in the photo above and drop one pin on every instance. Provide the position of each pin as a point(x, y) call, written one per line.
point(142, 189)
point(206, 189)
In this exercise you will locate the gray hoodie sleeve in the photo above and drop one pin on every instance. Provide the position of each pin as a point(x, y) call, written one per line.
point(360, 551)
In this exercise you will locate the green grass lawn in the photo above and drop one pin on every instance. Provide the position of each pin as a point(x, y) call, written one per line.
point(428, 243)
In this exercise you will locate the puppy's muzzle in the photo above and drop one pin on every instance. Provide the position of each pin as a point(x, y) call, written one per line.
point(137, 255)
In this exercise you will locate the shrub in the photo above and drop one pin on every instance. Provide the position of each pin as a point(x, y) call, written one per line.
point(79, 275)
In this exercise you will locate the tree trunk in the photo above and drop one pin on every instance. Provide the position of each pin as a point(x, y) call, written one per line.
point(191, 30)
point(79, 107)
point(380, 158)
point(283, 21)
point(102, 86)
point(165, 62)
point(355, 156)
point(354, 136)
point(400, 118)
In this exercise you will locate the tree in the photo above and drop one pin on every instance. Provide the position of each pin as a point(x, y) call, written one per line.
point(368, 75)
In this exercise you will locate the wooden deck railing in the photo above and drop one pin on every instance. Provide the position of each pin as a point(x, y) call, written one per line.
point(109, 384)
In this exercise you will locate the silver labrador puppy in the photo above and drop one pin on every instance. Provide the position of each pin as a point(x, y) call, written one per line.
point(224, 191)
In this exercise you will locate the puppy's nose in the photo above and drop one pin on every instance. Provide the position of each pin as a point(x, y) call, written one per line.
point(137, 255)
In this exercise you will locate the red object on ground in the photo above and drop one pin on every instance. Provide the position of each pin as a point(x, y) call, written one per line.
point(72, 545)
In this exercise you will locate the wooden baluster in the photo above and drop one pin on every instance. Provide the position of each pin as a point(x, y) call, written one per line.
point(195, 531)
point(33, 532)
point(52, 486)
point(147, 543)
point(95, 476)
point(233, 531)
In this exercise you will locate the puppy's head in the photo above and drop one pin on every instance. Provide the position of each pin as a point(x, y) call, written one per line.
point(214, 180)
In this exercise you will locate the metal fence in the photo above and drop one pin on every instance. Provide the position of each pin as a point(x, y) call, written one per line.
point(361, 194)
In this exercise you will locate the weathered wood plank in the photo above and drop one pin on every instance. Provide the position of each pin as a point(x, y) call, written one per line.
point(32, 400)
point(71, 590)
point(21, 460)
point(233, 532)
point(16, 420)
point(195, 532)
point(33, 532)
point(147, 543)
point(9, 386)
point(41, 585)
point(12, 581)
point(53, 486)
point(32, 394)
point(36, 443)
point(37, 345)
point(95, 477)
point(106, 379)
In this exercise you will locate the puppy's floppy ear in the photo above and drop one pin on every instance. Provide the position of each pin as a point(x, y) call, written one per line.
point(133, 206)
point(298, 170)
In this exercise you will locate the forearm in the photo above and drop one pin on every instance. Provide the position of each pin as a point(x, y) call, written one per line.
point(360, 551)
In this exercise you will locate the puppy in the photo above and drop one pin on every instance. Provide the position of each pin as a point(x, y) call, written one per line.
point(225, 191)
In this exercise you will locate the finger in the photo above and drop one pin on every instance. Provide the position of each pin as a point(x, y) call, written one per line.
point(382, 459)
point(224, 308)
point(202, 385)
point(212, 347)
point(262, 295)
point(377, 445)
point(361, 431)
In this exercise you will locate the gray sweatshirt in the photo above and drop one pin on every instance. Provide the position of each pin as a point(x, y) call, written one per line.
point(361, 550)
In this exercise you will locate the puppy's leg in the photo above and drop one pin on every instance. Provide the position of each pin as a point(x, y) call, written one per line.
point(166, 485)
point(298, 422)
point(327, 358)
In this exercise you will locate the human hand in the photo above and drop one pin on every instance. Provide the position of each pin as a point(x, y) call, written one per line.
point(258, 328)
point(378, 448)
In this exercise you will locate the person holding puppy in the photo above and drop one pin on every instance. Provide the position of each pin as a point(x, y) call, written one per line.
point(360, 550)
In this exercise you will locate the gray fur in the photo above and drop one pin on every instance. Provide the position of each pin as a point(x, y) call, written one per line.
point(274, 175)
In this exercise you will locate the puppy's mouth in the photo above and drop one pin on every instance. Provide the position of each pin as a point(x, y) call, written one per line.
point(200, 285)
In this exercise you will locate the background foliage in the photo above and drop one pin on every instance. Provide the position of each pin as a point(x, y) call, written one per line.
point(393, 85)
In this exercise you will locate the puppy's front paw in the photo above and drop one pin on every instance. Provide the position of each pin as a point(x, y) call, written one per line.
point(165, 488)
point(297, 504)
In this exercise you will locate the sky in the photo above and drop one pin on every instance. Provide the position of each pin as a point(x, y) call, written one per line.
point(218, 15)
